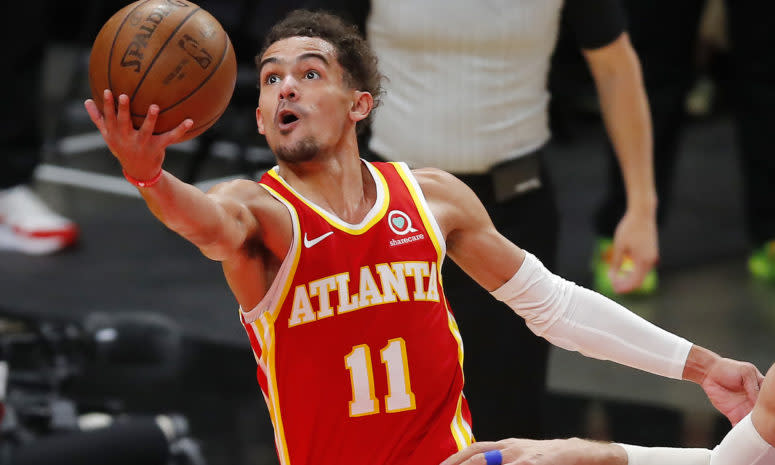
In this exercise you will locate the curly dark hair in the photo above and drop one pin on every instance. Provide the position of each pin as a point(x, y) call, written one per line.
point(353, 53)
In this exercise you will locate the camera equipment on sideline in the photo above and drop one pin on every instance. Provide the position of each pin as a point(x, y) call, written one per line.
point(41, 423)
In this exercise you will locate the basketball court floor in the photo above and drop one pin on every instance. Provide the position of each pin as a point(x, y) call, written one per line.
point(128, 262)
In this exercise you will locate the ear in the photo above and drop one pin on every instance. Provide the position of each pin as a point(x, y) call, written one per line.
point(260, 121)
point(362, 105)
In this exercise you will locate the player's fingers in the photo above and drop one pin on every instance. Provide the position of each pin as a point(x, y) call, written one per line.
point(109, 109)
point(178, 133)
point(95, 116)
point(123, 119)
point(478, 459)
point(752, 381)
point(146, 129)
point(469, 452)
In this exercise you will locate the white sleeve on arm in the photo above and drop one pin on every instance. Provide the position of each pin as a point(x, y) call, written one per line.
point(743, 445)
point(575, 318)
point(638, 455)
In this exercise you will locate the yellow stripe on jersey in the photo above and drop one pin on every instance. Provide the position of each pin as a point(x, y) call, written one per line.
point(296, 253)
point(429, 225)
point(456, 334)
point(460, 428)
point(265, 325)
point(258, 329)
point(333, 220)
point(274, 400)
point(461, 431)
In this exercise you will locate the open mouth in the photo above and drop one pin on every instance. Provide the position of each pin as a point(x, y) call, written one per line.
point(287, 119)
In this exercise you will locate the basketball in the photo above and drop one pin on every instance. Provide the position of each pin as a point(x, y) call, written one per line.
point(168, 52)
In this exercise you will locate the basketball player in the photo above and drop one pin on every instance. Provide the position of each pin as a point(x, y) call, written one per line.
point(335, 263)
point(751, 442)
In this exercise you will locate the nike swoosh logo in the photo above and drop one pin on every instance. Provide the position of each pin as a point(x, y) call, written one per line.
point(309, 243)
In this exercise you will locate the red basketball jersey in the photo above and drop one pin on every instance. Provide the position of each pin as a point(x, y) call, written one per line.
point(359, 356)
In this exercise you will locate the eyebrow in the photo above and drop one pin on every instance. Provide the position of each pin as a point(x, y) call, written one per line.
point(302, 57)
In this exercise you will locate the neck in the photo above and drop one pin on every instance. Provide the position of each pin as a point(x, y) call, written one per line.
point(340, 183)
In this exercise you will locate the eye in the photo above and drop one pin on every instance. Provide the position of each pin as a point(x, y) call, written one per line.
point(311, 75)
point(272, 79)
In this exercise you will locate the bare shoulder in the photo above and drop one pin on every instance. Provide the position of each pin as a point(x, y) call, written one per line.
point(246, 193)
point(439, 186)
point(237, 189)
point(257, 209)
point(451, 201)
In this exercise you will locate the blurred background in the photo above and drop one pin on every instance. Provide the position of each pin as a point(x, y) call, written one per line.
point(129, 331)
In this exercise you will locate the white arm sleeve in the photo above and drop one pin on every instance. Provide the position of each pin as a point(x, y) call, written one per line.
point(578, 319)
point(743, 445)
point(637, 455)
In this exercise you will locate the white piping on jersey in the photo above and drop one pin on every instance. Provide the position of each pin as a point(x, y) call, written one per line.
point(273, 295)
point(271, 299)
point(426, 209)
point(330, 216)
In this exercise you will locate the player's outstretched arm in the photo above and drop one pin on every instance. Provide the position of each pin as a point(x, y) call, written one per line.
point(573, 317)
point(540, 452)
point(218, 223)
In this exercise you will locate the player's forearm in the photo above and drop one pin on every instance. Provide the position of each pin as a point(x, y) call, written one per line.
point(597, 453)
point(575, 318)
point(638, 455)
point(184, 209)
point(745, 444)
point(627, 118)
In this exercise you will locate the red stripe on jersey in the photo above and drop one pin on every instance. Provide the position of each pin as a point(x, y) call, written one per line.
point(250, 329)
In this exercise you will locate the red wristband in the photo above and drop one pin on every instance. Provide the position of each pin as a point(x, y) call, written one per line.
point(139, 183)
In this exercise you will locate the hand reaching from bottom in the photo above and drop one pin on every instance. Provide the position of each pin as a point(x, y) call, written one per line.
point(548, 452)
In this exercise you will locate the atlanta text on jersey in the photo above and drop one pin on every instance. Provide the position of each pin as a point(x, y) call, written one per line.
point(393, 286)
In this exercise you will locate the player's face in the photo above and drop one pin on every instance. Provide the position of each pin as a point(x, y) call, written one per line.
point(304, 105)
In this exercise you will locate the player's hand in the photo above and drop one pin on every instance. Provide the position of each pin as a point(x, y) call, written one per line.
point(140, 152)
point(532, 452)
point(732, 387)
point(635, 251)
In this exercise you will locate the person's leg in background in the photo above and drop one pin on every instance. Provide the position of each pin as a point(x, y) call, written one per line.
point(664, 36)
point(26, 223)
point(753, 94)
point(505, 363)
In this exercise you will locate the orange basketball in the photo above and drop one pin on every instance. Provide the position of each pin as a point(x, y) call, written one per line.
point(168, 52)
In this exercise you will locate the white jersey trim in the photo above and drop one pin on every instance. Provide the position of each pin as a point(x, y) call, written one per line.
point(375, 210)
point(427, 210)
point(272, 297)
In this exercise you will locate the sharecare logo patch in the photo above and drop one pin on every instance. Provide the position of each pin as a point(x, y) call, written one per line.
point(406, 240)
point(400, 223)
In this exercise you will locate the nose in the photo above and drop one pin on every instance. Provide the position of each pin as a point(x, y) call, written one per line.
point(288, 89)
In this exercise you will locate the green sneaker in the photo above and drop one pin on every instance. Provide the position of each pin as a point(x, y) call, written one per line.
point(601, 264)
point(761, 263)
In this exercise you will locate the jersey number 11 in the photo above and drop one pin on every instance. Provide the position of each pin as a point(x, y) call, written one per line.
point(399, 397)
